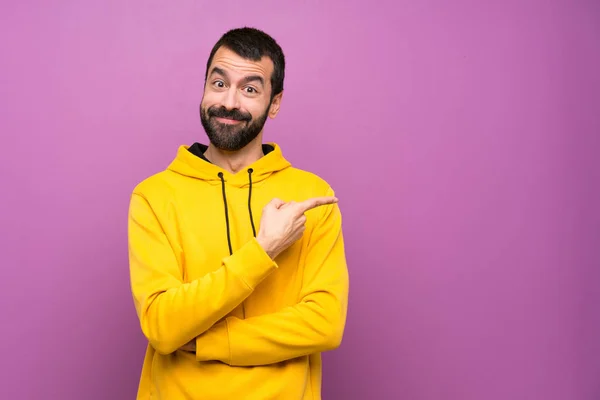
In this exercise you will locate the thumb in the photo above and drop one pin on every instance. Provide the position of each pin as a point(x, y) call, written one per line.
point(277, 203)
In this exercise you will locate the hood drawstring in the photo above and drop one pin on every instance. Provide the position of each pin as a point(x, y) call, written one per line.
point(250, 171)
point(226, 212)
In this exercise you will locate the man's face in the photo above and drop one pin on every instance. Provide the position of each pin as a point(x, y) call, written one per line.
point(237, 100)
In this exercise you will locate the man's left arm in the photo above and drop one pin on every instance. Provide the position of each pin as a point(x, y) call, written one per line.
point(315, 324)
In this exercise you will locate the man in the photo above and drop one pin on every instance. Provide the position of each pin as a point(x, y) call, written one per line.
point(232, 308)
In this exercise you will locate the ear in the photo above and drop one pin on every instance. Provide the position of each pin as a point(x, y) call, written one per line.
point(275, 104)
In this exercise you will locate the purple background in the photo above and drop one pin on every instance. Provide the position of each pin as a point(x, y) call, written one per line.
point(461, 138)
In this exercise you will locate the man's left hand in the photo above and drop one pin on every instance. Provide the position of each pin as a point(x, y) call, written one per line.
point(189, 347)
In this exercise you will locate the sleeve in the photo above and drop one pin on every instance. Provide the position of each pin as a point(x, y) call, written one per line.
point(171, 312)
point(315, 324)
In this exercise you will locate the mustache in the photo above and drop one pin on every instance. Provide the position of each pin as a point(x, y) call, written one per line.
point(235, 114)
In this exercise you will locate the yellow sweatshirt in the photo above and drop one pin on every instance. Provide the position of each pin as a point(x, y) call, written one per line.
point(198, 273)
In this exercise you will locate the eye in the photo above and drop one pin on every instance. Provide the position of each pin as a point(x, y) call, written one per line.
point(219, 84)
point(250, 89)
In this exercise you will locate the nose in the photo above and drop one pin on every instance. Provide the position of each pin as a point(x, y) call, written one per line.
point(231, 99)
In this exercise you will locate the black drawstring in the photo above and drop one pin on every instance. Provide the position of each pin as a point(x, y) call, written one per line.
point(226, 213)
point(250, 171)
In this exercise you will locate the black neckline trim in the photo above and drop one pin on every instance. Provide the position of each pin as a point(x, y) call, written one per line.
point(198, 149)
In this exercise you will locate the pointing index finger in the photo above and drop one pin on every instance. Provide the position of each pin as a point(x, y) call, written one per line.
point(316, 202)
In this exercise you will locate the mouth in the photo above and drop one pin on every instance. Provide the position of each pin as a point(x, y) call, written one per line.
point(228, 121)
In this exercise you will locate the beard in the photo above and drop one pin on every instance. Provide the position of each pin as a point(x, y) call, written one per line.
point(231, 137)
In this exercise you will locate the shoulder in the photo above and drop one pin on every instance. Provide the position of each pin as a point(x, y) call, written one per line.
point(314, 184)
point(155, 187)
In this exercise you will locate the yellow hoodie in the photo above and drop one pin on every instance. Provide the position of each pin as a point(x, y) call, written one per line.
point(198, 273)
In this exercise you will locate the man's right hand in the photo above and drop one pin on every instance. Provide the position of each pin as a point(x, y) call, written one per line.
point(283, 223)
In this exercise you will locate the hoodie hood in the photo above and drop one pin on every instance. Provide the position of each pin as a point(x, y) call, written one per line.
point(190, 161)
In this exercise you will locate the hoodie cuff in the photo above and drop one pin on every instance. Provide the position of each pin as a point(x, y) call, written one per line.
point(251, 263)
point(213, 345)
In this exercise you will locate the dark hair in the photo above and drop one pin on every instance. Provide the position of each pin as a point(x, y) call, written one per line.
point(253, 44)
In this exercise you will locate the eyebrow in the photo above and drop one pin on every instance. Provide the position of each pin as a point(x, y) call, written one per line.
point(247, 79)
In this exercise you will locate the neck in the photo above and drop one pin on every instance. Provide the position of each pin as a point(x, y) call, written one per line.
point(235, 161)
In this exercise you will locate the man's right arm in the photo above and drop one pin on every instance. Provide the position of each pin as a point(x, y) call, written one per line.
point(171, 312)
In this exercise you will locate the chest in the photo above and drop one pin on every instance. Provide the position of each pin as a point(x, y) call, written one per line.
point(207, 222)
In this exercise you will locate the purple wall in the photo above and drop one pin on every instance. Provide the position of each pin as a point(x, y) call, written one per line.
point(461, 138)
